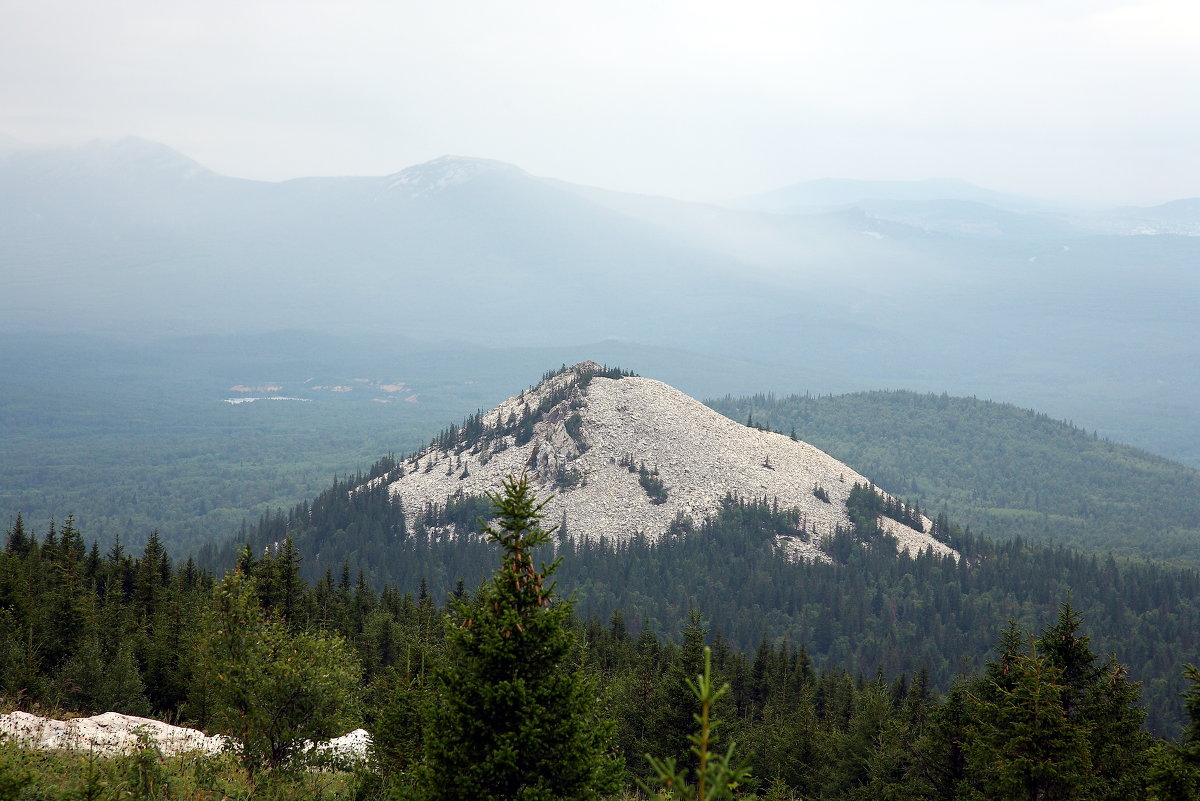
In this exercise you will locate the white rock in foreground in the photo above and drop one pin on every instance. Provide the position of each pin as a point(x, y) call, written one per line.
point(113, 733)
point(352, 746)
point(109, 733)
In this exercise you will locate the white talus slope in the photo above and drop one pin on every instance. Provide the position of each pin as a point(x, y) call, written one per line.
point(588, 428)
point(113, 733)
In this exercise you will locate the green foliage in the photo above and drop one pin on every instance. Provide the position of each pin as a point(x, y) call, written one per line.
point(144, 775)
point(900, 613)
point(715, 775)
point(1003, 471)
point(1190, 747)
point(1169, 777)
point(1026, 746)
point(512, 718)
point(162, 449)
point(143, 769)
point(652, 484)
point(1052, 721)
point(269, 687)
point(1099, 698)
point(1174, 770)
point(814, 727)
point(648, 478)
point(13, 779)
point(673, 705)
point(586, 375)
point(864, 506)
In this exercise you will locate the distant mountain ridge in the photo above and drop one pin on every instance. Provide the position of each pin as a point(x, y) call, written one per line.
point(826, 192)
point(958, 295)
point(444, 172)
point(1180, 217)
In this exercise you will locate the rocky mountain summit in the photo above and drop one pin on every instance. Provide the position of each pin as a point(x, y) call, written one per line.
point(623, 455)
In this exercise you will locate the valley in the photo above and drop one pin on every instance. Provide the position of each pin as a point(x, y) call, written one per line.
point(1087, 322)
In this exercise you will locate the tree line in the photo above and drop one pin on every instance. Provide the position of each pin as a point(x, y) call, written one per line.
point(1005, 471)
point(863, 610)
point(1046, 717)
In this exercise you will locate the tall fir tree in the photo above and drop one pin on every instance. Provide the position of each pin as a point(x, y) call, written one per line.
point(1025, 747)
point(1098, 698)
point(674, 706)
point(513, 718)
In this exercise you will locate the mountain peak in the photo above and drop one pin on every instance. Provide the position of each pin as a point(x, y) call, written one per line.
point(444, 173)
point(132, 155)
point(624, 456)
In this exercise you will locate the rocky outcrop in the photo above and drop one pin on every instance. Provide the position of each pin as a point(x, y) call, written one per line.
point(109, 733)
point(113, 733)
point(623, 455)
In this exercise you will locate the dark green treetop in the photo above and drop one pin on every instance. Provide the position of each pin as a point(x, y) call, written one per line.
point(513, 718)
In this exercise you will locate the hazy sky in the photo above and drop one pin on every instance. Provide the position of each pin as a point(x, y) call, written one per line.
point(697, 99)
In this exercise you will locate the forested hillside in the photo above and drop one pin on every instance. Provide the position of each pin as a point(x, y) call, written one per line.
point(86, 632)
point(132, 435)
point(1003, 471)
point(865, 611)
point(137, 437)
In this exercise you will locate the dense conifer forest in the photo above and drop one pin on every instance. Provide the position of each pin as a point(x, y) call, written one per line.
point(866, 610)
point(85, 631)
point(865, 675)
point(1004, 471)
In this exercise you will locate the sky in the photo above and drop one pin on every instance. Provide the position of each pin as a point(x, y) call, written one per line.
point(1087, 100)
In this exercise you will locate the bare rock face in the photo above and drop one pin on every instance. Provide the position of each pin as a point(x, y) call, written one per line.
point(112, 733)
point(109, 733)
point(623, 455)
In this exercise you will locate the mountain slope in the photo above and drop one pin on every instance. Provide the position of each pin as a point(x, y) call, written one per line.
point(125, 230)
point(625, 455)
point(1002, 470)
point(1180, 217)
point(865, 608)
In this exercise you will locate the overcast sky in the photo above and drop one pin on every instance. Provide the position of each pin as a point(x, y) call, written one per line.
point(696, 99)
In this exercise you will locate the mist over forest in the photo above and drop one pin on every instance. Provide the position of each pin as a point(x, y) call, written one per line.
point(824, 287)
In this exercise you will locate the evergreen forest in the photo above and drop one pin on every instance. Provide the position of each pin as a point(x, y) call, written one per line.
point(865, 675)
point(1002, 470)
point(865, 611)
point(86, 631)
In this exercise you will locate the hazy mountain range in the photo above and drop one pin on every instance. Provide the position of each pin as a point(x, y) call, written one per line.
point(828, 286)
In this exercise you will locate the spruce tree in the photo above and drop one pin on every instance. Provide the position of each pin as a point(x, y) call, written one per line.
point(1024, 745)
point(18, 542)
point(513, 718)
point(1190, 745)
point(1173, 772)
point(671, 719)
point(711, 775)
point(1099, 698)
